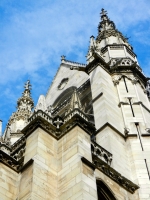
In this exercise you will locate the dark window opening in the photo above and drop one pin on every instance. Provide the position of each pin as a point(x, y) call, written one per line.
point(103, 192)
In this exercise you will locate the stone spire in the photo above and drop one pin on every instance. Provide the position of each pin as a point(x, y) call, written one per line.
point(110, 43)
point(107, 28)
point(75, 103)
point(25, 102)
point(24, 107)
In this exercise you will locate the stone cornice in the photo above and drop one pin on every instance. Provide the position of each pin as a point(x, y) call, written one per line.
point(130, 69)
point(46, 125)
point(107, 124)
point(104, 49)
point(11, 162)
point(98, 61)
point(124, 136)
point(18, 145)
point(88, 163)
point(114, 175)
point(101, 153)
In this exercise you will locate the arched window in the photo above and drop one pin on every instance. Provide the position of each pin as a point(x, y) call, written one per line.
point(64, 95)
point(103, 192)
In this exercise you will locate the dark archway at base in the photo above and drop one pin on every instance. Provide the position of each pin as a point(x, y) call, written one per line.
point(103, 191)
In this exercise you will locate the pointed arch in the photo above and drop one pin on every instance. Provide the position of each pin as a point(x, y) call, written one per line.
point(103, 191)
point(64, 95)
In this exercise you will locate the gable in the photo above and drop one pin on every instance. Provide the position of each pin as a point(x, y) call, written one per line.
point(65, 78)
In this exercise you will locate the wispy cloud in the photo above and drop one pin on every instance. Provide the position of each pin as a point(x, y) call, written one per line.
point(34, 34)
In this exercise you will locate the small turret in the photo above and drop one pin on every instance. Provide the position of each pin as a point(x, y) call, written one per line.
point(110, 43)
point(19, 119)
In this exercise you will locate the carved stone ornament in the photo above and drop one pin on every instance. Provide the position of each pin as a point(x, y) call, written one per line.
point(132, 78)
point(116, 79)
point(63, 83)
point(107, 28)
point(121, 61)
point(101, 153)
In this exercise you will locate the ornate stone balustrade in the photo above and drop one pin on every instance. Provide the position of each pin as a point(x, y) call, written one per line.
point(101, 153)
point(42, 114)
point(20, 142)
point(18, 149)
point(73, 113)
point(102, 159)
point(10, 161)
point(5, 147)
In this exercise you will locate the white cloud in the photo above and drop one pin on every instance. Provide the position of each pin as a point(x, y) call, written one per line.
point(34, 34)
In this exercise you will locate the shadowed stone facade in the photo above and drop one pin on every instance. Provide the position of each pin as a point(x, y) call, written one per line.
point(89, 137)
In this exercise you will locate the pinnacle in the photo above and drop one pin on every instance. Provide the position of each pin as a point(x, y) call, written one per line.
point(75, 101)
point(26, 102)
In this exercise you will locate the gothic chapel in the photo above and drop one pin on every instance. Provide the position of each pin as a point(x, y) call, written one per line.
point(89, 136)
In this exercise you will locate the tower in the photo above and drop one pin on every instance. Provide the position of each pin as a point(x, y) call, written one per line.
point(18, 119)
point(89, 136)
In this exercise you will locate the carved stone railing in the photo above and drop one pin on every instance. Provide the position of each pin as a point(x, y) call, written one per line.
point(101, 159)
point(18, 149)
point(5, 147)
point(73, 63)
point(101, 153)
point(42, 114)
point(10, 161)
point(73, 113)
point(21, 141)
point(114, 175)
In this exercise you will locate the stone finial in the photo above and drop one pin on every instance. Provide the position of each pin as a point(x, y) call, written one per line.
point(105, 23)
point(27, 85)
point(24, 109)
point(103, 14)
point(63, 58)
point(26, 102)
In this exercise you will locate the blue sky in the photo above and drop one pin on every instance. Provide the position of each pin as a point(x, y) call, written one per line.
point(34, 34)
